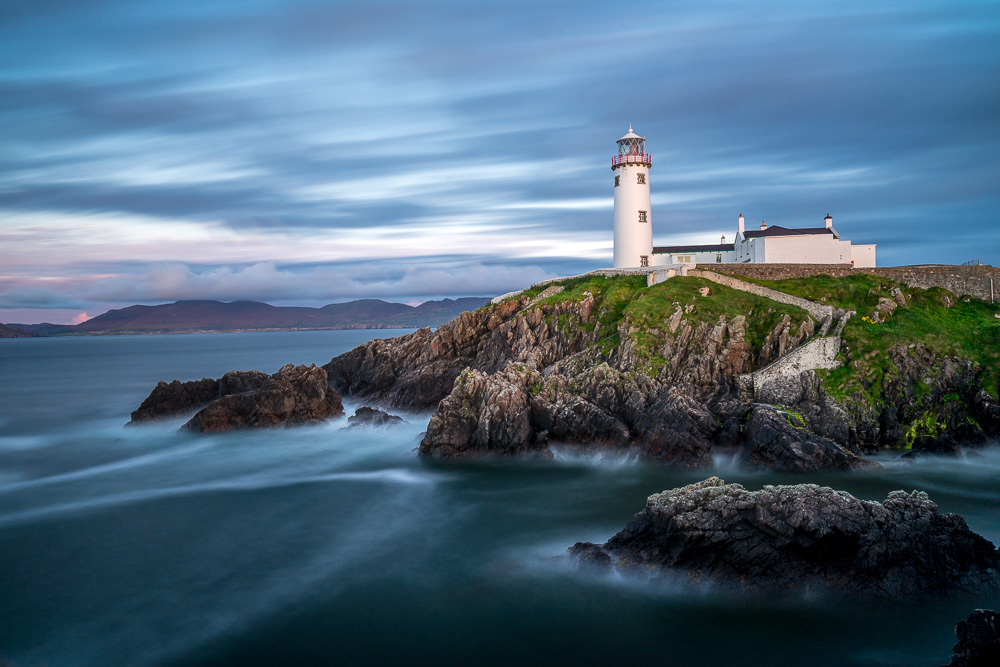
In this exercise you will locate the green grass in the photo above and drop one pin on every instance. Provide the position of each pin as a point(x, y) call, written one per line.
point(653, 309)
point(934, 318)
point(648, 311)
point(968, 330)
point(611, 297)
point(860, 292)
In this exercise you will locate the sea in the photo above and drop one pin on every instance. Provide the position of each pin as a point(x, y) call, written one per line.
point(328, 545)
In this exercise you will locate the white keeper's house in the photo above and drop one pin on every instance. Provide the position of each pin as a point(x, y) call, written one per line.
point(768, 245)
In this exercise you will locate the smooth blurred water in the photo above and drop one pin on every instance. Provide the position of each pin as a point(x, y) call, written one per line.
point(323, 545)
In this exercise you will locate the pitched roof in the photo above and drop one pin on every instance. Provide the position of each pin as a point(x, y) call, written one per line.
point(718, 247)
point(778, 230)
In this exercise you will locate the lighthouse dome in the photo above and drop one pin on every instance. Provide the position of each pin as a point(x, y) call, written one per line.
point(631, 135)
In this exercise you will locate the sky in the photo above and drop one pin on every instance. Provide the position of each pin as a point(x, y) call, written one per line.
point(303, 152)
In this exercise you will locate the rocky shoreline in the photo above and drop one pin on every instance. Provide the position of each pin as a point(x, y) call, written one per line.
point(671, 372)
point(666, 375)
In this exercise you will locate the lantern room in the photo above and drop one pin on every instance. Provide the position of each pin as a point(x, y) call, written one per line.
point(631, 150)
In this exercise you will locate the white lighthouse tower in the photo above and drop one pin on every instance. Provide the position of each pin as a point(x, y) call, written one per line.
point(633, 216)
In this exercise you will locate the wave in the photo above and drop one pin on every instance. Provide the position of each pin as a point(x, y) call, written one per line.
point(254, 482)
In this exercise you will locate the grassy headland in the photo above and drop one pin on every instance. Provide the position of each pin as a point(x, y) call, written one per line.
point(900, 350)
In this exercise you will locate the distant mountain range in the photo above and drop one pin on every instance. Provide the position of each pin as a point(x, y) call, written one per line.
point(202, 316)
point(14, 332)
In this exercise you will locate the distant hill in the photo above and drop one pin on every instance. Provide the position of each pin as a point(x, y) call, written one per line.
point(15, 332)
point(194, 316)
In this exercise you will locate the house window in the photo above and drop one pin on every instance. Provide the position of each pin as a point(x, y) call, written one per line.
point(618, 181)
point(718, 259)
point(642, 216)
point(684, 259)
point(642, 179)
point(643, 260)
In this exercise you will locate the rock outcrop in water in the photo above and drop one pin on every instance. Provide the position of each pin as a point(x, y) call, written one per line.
point(175, 399)
point(246, 399)
point(978, 640)
point(373, 417)
point(794, 539)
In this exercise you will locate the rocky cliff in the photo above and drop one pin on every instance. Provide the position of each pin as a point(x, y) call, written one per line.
point(607, 362)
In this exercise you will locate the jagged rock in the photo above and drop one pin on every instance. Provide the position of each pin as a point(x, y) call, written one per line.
point(678, 430)
point(978, 640)
point(884, 309)
point(293, 395)
point(804, 394)
point(948, 443)
point(366, 416)
point(793, 539)
point(417, 370)
point(987, 412)
point(238, 382)
point(484, 414)
point(177, 398)
point(781, 440)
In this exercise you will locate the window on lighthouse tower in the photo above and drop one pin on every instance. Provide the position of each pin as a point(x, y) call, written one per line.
point(617, 180)
point(642, 216)
point(642, 179)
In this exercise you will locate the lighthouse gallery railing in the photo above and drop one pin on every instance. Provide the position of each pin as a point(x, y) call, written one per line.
point(631, 158)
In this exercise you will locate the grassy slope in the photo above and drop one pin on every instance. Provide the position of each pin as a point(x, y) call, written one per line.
point(650, 309)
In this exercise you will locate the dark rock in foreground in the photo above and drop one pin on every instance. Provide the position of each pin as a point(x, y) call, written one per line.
point(978, 640)
point(245, 399)
point(366, 416)
point(294, 395)
point(790, 539)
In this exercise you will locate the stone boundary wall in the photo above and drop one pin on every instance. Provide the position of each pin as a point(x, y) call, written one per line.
point(817, 353)
point(654, 274)
point(823, 314)
point(959, 280)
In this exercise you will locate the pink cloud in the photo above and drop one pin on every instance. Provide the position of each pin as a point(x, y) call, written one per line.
point(79, 319)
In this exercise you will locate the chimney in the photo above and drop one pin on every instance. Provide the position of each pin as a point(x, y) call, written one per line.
point(763, 225)
point(740, 227)
point(829, 221)
point(723, 239)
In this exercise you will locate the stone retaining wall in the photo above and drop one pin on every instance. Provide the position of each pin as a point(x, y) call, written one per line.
point(960, 280)
point(817, 353)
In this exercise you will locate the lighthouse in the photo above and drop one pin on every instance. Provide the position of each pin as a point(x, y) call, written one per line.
point(633, 217)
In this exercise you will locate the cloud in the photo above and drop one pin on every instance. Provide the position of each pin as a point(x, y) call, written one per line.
point(214, 142)
point(36, 297)
point(323, 284)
